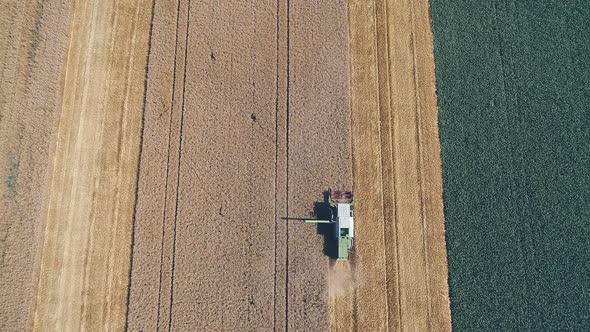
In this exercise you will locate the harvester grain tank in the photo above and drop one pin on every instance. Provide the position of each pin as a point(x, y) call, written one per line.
point(342, 216)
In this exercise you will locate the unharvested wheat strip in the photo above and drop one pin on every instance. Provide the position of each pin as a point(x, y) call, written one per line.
point(384, 16)
point(88, 154)
point(418, 200)
point(124, 98)
point(412, 183)
point(412, 260)
point(371, 302)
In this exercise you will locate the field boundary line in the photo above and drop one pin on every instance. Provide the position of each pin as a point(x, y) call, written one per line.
point(276, 179)
point(419, 164)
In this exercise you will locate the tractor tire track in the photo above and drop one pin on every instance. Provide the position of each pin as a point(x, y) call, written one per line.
point(276, 167)
point(172, 180)
point(287, 141)
point(171, 113)
point(390, 208)
point(151, 270)
point(183, 108)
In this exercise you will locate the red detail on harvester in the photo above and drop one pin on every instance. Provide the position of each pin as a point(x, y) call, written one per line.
point(338, 195)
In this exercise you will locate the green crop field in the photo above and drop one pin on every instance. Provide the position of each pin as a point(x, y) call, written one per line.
point(513, 86)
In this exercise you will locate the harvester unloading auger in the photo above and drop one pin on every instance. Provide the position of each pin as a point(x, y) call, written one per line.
point(342, 216)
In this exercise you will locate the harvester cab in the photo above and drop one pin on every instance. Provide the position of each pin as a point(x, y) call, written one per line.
point(342, 216)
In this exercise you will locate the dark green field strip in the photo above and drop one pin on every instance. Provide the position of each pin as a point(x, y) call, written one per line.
point(513, 85)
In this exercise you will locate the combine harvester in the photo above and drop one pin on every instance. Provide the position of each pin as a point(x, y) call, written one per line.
point(341, 206)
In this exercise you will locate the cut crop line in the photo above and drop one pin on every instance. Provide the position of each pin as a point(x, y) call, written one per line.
point(419, 164)
point(396, 229)
point(288, 96)
point(354, 326)
point(393, 170)
point(394, 180)
point(168, 166)
point(276, 180)
point(141, 136)
point(380, 134)
point(183, 108)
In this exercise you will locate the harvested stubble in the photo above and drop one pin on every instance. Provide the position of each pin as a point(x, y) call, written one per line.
point(224, 157)
point(33, 48)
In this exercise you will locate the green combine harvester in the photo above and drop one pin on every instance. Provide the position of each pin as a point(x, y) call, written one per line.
point(341, 206)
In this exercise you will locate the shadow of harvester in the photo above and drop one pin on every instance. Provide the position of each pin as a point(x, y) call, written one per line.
point(323, 211)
